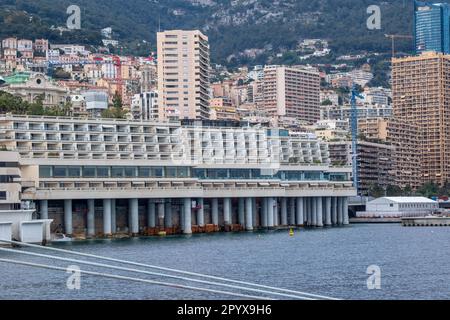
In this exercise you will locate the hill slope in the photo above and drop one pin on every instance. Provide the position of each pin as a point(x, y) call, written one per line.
point(232, 25)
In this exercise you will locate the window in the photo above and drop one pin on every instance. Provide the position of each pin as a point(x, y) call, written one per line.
point(130, 172)
point(117, 172)
point(103, 172)
point(145, 172)
point(59, 172)
point(74, 172)
point(159, 172)
point(89, 172)
point(45, 171)
point(2, 195)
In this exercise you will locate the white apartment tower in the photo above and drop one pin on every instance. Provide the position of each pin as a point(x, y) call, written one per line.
point(183, 75)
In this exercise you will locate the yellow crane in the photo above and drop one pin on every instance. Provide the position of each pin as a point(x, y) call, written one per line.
point(396, 36)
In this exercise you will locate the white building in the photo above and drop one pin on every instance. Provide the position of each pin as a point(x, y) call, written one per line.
point(397, 207)
point(144, 106)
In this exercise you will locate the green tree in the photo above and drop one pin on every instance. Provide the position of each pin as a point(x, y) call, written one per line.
point(376, 191)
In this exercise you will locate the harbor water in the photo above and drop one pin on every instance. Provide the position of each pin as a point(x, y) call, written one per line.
point(332, 262)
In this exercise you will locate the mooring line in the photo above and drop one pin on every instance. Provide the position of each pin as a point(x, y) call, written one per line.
point(153, 273)
point(169, 270)
point(112, 276)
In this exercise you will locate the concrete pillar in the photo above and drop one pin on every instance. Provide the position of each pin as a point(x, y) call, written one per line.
point(43, 204)
point(113, 216)
point(345, 208)
point(276, 209)
point(201, 213)
point(292, 211)
point(161, 213)
point(227, 211)
point(187, 216)
point(68, 217)
point(254, 212)
point(328, 211)
point(334, 210)
point(107, 230)
point(241, 214)
point(91, 218)
point(264, 212)
point(284, 211)
point(249, 214)
point(151, 213)
point(340, 211)
point(168, 217)
point(270, 212)
point(300, 211)
point(319, 212)
point(313, 212)
point(215, 211)
point(133, 211)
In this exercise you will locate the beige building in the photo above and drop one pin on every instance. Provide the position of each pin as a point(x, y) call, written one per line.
point(183, 75)
point(373, 128)
point(292, 92)
point(38, 85)
point(223, 109)
point(419, 128)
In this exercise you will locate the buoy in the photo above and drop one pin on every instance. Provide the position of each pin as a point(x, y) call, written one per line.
point(291, 232)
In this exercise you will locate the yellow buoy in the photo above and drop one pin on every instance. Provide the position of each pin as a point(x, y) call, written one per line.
point(291, 232)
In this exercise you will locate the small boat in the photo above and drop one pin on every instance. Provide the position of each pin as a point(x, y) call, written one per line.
point(60, 237)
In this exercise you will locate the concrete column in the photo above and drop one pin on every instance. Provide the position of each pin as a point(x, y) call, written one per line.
point(201, 213)
point(107, 231)
point(168, 217)
point(314, 212)
point(345, 208)
point(68, 217)
point(133, 211)
point(151, 213)
point(227, 211)
point(254, 212)
point(340, 211)
point(241, 214)
point(300, 211)
point(264, 212)
point(319, 212)
point(276, 209)
point(328, 211)
point(270, 212)
point(91, 218)
point(284, 211)
point(249, 214)
point(43, 209)
point(113, 216)
point(161, 213)
point(334, 211)
point(215, 211)
point(187, 216)
point(292, 211)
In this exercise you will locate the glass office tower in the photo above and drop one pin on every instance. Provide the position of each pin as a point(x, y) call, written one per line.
point(431, 27)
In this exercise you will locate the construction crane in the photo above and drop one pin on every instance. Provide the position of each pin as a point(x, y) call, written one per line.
point(396, 36)
point(354, 125)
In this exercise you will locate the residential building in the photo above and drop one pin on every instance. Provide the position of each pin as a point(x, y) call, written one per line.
point(418, 128)
point(223, 109)
point(144, 106)
point(292, 92)
point(183, 75)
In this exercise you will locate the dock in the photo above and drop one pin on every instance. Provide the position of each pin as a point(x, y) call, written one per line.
point(426, 222)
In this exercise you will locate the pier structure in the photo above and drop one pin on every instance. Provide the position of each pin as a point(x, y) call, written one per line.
point(103, 178)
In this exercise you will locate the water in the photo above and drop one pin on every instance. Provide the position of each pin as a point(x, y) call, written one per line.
point(414, 264)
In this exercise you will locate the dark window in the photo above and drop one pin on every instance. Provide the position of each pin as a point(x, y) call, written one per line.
point(45, 171)
point(102, 172)
point(59, 172)
point(2, 195)
point(74, 172)
point(89, 172)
